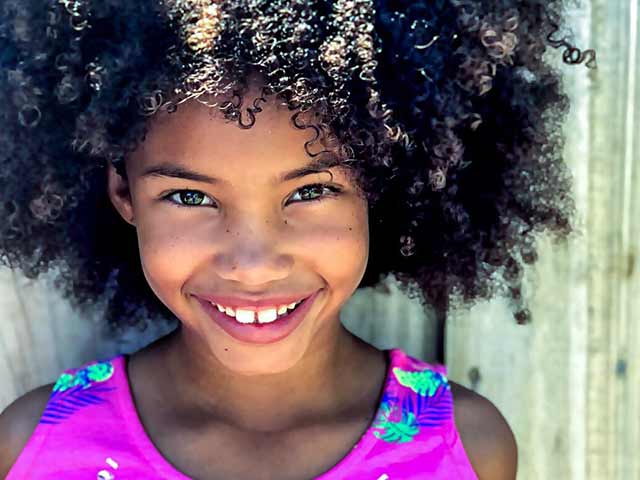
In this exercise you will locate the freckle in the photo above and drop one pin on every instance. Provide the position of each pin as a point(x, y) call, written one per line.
point(350, 229)
point(227, 230)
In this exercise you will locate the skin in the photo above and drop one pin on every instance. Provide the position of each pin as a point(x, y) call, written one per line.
point(227, 396)
point(255, 235)
point(246, 239)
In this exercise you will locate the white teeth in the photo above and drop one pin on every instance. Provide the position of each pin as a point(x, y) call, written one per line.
point(245, 316)
point(267, 316)
point(263, 316)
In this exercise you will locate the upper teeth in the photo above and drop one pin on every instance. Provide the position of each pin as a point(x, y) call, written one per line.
point(265, 315)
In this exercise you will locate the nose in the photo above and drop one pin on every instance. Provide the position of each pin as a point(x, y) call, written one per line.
point(254, 252)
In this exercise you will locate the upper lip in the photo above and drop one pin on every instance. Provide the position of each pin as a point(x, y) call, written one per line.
point(253, 303)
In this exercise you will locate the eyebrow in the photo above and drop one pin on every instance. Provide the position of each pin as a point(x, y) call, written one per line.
point(317, 165)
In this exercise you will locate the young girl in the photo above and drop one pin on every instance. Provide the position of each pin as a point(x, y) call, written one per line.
point(418, 139)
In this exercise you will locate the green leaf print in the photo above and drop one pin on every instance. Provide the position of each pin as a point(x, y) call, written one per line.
point(65, 382)
point(100, 372)
point(397, 432)
point(78, 390)
point(425, 382)
point(97, 372)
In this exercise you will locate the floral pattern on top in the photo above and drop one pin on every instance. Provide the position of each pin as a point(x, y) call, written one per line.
point(77, 389)
point(418, 405)
point(425, 382)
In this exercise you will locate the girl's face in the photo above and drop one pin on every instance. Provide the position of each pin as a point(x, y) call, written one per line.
point(250, 233)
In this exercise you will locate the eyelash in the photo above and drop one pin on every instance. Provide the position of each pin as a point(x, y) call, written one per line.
point(334, 192)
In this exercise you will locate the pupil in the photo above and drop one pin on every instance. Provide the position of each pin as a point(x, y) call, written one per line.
point(190, 197)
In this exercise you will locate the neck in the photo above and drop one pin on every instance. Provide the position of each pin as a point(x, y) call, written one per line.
point(322, 383)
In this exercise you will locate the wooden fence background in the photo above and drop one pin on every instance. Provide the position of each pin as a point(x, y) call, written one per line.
point(568, 383)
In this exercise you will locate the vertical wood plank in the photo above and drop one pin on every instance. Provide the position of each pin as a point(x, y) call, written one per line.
point(613, 335)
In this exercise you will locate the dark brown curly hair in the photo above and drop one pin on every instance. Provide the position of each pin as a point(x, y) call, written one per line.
point(445, 110)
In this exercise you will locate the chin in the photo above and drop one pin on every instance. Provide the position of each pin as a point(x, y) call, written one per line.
point(254, 360)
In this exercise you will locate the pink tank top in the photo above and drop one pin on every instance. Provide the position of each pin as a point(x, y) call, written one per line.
point(90, 430)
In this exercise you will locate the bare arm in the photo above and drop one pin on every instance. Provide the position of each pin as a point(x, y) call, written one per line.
point(17, 423)
point(486, 435)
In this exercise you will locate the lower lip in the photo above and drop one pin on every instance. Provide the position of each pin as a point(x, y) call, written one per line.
point(260, 333)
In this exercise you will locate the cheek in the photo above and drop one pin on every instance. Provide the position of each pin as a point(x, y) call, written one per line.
point(338, 244)
point(167, 255)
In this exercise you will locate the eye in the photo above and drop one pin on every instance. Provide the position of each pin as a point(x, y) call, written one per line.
point(189, 198)
point(193, 198)
point(315, 188)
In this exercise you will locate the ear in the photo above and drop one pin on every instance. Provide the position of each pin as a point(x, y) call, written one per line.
point(120, 194)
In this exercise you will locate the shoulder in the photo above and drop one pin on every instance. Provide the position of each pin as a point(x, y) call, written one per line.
point(18, 422)
point(485, 434)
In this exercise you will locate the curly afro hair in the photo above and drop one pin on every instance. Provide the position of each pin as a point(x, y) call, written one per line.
point(445, 111)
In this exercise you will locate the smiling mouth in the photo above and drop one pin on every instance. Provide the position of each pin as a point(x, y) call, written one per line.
point(261, 317)
point(250, 331)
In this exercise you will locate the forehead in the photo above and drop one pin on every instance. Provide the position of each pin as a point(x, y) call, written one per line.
point(194, 122)
point(195, 126)
point(197, 137)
